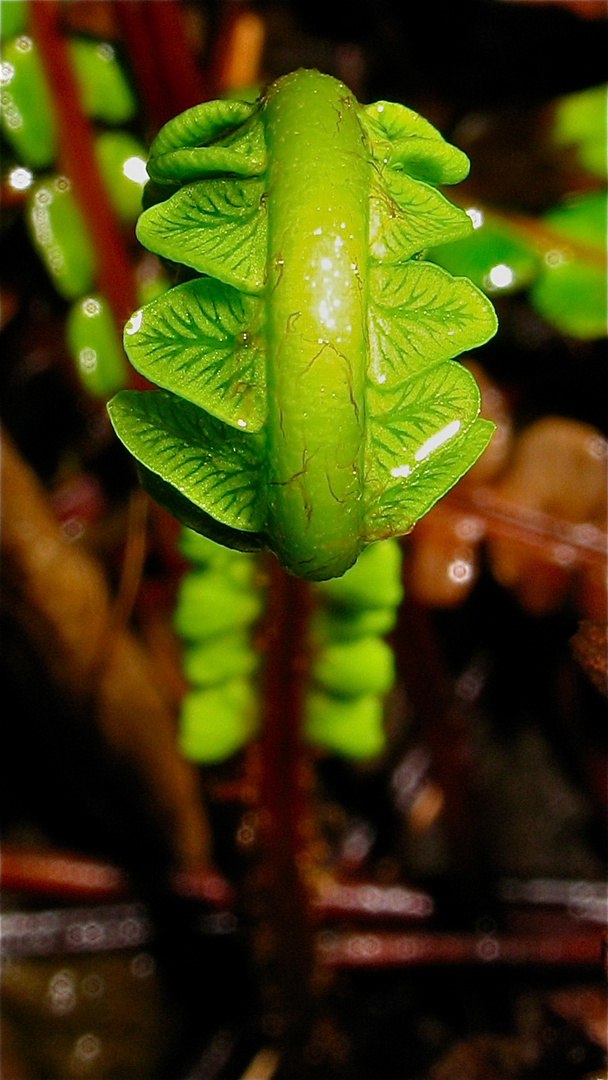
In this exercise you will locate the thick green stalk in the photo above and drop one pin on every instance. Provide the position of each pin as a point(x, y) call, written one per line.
point(316, 320)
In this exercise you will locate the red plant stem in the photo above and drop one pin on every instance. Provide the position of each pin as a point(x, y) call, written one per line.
point(282, 930)
point(445, 730)
point(135, 31)
point(77, 160)
point(61, 874)
point(179, 72)
point(71, 877)
point(165, 71)
point(385, 950)
point(285, 684)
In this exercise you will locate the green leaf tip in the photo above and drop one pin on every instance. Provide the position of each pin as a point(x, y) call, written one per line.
point(310, 402)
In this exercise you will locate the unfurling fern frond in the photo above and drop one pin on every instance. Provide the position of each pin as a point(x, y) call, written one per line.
point(310, 403)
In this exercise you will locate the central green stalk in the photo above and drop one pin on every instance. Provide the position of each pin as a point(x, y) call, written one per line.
point(316, 307)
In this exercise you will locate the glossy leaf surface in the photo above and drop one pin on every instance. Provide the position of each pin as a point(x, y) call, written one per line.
point(194, 453)
point(217, 228)
point(200, 340)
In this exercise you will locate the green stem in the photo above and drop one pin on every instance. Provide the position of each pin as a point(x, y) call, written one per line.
point(316, 319)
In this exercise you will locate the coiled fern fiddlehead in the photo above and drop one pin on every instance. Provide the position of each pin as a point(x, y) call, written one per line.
point(310, 403)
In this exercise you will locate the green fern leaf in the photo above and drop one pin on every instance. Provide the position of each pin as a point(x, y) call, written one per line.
point(201, 341)
point(218, 227)
point(404, 140)
point(211, 138)
point(400, 504)
point(407, 216)
point(420, 315)
point(208, 464)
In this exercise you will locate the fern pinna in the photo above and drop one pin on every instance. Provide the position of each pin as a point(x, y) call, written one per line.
point(309, 400)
